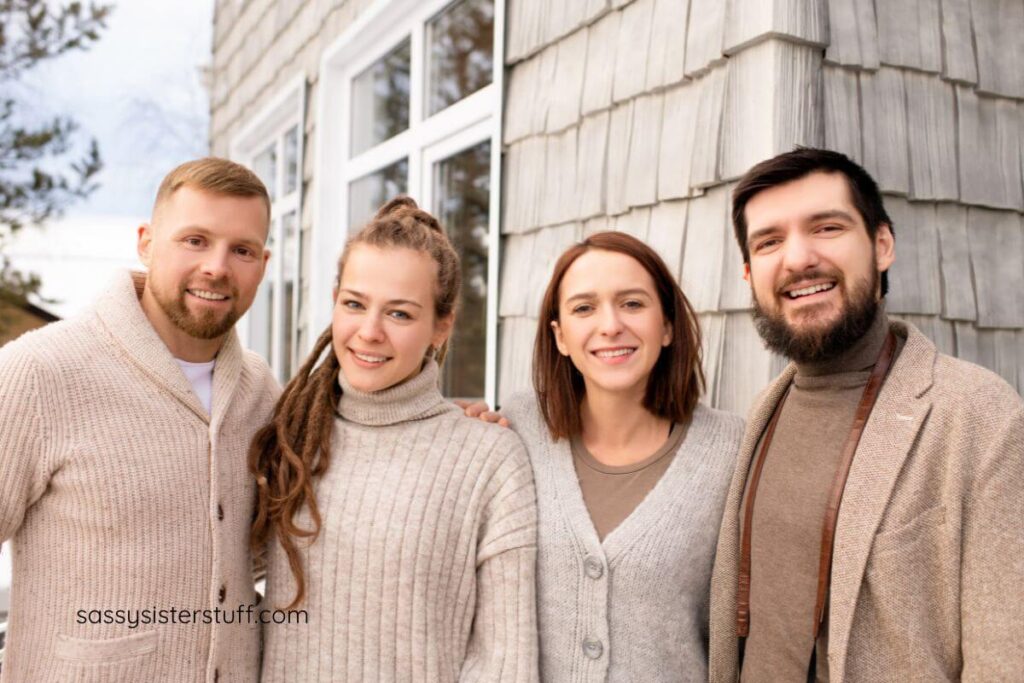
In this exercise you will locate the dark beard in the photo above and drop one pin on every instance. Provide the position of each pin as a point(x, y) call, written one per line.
point(859, 310)
point(205, 326)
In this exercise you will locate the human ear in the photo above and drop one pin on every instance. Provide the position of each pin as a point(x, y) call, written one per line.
point(559, 339)
point(442, 329)
point(144, 243)
point(746, 271)
point(885, 248)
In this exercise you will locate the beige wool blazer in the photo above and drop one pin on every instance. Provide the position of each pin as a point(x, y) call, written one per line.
point(927, 578)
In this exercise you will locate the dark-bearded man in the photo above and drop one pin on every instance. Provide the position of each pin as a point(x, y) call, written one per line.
point(873, 527)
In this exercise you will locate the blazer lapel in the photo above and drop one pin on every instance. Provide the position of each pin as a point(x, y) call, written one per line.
point(888, 438)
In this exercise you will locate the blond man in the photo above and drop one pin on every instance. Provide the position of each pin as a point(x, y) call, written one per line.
point(123, 439)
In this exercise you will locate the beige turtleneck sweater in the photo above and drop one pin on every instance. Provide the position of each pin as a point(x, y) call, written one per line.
point(424, 566)
point(790, 508)
point(120, 492)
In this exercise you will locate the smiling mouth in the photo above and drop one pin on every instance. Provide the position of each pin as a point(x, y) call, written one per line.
point(207, 295)
point(809, 290)
point(369, 357)
point(614, 353)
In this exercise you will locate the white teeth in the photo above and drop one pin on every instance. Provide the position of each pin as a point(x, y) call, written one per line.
point(369, 359)
point(209, 296)
point(813, 289)
point(613, 354)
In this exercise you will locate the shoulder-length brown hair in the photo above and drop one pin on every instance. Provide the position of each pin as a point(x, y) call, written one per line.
point(676, 381)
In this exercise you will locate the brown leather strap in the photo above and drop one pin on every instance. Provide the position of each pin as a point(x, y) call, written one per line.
point(743, 593)
point(828, 528)
point(867, 402)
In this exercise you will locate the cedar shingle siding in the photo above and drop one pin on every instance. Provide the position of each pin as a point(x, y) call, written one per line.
point(639, 115)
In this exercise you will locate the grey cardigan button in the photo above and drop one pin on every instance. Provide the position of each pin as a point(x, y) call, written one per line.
point(594, 567)
point(593, 648)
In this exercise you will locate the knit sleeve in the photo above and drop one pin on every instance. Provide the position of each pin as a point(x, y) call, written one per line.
point(25, 432)
point(503, 643)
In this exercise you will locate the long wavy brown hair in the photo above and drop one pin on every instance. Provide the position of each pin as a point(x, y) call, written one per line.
point(294, 449)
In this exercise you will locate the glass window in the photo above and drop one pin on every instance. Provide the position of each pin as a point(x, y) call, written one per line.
point(265, 166)
point(462, 192)
point(368, 193)
point(289, 265)
point(380, 99)
point(291, 160)
point(459, 52)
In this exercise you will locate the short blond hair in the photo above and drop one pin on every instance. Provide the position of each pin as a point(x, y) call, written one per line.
point(216, 175)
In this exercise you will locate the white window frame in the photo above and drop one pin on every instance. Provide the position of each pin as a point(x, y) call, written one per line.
point(269, 126)
point(475, 118)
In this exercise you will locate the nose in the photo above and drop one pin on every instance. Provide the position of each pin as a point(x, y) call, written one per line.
point(215, 264)
point(799, 254)
point(609, 323)
point(371, 330)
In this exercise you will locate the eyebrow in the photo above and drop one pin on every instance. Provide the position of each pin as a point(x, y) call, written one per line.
point(813, 218)
point(392, 302)
point(625, 292)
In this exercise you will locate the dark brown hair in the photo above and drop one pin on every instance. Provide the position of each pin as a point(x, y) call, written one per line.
point(676, 381)
point(294, 449)
point(797, 164)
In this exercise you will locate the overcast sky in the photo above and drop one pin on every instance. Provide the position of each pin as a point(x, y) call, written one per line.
point(139, 91)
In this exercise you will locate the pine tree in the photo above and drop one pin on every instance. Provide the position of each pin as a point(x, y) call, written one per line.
point(42, 167)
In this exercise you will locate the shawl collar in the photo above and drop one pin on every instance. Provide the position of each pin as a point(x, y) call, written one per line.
point(121, 314)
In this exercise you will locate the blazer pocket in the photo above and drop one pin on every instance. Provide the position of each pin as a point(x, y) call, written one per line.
point(89, 651)
point(903, 535)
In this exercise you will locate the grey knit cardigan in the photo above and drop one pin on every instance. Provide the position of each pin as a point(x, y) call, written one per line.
point(635, 607)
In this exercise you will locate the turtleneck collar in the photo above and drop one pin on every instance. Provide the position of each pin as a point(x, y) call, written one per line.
point(416, 398)
point(858, 358)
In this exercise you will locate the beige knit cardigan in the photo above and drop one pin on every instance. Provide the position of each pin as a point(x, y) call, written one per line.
point(928, 566)
point(424, 567)
point(121, 493)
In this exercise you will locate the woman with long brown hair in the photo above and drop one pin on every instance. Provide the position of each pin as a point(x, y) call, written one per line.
point(404, 530)
point(631, 470)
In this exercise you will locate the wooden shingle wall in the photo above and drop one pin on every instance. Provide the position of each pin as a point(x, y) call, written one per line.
point(639, 115)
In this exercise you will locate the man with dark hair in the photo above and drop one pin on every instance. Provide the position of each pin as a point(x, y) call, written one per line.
point(873, 527)
point(123, 438)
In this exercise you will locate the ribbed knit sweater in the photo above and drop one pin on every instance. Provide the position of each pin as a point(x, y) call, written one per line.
point(635, 606)
point(424, 566)
point(121, 493)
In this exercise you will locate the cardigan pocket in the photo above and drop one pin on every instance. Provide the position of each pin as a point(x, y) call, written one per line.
point(90, 651)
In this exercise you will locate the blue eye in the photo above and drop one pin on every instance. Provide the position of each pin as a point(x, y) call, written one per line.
point(350, 304)
point(400, 315)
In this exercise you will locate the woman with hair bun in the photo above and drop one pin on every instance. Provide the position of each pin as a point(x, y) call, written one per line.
point(406, 531)
point(631, 470)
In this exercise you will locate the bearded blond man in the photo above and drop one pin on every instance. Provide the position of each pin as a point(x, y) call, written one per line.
point(123, 439)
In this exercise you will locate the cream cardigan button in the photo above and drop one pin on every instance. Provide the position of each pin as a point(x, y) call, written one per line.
point(593, 648)
point(593, 567)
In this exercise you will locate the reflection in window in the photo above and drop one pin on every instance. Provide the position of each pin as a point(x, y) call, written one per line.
point(368, 193)
point(460, 52)
point(265, 166)
point(289, 264)
point(380, 100)
point(291, 160)
point(462, 188)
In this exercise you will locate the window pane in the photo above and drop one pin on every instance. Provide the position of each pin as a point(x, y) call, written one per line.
point(460, 52)
point(368, 193)
point(380, 100)
point(290, 267)
point(291, 160)
point(265, 166)
point(462, 187)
